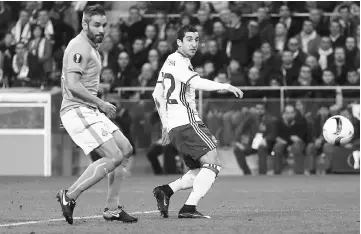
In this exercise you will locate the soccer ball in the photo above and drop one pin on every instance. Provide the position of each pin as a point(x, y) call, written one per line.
point(338, 130)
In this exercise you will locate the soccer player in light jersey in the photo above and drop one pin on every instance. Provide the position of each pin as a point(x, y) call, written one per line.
point(90, 129)
point(174, 96)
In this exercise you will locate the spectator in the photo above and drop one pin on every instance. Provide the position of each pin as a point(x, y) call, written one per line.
point(209, 70)
point(20, 66)
point(288, 70)
point(146, 78)
point(319, 22)
point(218, 58)
point(5, 16)
point(65, 12)
point(257, 62)
point(204, 20)
point(220, 35)
point(185, 19)
point(345, 21)
point(324, 53)
point(311, 61)
point(259, 124)
point(254, 40)
point(41, 49)
point(305, 79)
point(338, 65)
point(134, 26)
point(22, 31)
point(280, 39)
point(171, 37)
point(153, 59)
point(164, 51)
point(309, 38)
point(139, 54)
point(225, 16)
point(271, 60)
point(125, 72)
point(353, 79)
point(235, 75)
point(8, 51)
point(335, 34)
point(292, 26)
point(357, 36)
point(221, 78)
point(116, 34)
point(328, 79)
point(238, 38)
point(161, 22)
point(352, 52)
point(190, 8)
point(108, 53)
point(292, 136)
point(45, 22)
point(151, 38)
point(254, 80)
point(266, 30)
point(299, 57)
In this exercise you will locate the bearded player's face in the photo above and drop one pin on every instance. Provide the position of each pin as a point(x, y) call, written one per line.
point(96, 28)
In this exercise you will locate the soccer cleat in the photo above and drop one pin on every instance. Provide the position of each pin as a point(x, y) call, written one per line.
point(162, 201)
point(119, 215)
point(191, 213)
point(67, 205)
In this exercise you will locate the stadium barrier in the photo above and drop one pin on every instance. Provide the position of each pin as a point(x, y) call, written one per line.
point(31, 138)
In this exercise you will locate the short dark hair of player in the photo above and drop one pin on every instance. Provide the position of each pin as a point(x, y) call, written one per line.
point(90, 11)
point(342, 7)
point(183, 30)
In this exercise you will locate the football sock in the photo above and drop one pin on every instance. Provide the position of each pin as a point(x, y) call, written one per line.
point(184, 182)
point(92, 175)
point(115, 179)
point(202, 183)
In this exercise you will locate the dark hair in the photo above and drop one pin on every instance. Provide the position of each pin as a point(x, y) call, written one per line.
point(133, 7)
point(183, 30)
point(344, 7)
point(352, 70)
point(92, 10)
point(328, 70)
point(33, 27)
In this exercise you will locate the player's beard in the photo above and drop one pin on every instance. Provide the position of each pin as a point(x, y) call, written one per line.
point(95, 38)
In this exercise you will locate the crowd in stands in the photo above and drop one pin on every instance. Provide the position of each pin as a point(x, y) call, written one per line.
point(319, 48)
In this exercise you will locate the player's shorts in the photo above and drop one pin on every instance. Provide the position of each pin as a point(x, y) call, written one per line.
point(192, 141)
point(88, 128)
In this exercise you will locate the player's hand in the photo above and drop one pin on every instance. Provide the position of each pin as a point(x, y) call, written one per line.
point(295, 138)
point(236, 91)
point(281, 140)
point(108, 108)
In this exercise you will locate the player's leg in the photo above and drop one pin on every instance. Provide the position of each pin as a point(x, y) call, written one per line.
point(202, 183)
point(88, 132)
point(113, 210)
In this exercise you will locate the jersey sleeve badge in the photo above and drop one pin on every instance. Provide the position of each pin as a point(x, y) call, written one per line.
point(77, 58)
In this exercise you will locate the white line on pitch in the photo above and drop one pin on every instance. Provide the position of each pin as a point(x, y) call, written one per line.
point(75, 218)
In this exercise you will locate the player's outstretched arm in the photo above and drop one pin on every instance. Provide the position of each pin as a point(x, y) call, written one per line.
point(208, 85)
point(79, 91)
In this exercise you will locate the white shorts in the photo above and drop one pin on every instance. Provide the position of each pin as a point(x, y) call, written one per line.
point(88, 128)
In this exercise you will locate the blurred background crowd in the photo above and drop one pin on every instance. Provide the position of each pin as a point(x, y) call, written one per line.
point(243, 43)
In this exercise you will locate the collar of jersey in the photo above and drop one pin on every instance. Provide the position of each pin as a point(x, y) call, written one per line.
point(182, 55)
point(82, 33)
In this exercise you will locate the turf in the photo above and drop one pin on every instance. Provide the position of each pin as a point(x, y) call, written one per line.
point(261, 204)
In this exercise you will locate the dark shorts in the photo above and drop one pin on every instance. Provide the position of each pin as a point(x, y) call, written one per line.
point(192, 141)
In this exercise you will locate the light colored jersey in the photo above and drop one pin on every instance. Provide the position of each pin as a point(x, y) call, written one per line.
point(80, 56)
point(180, 98)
